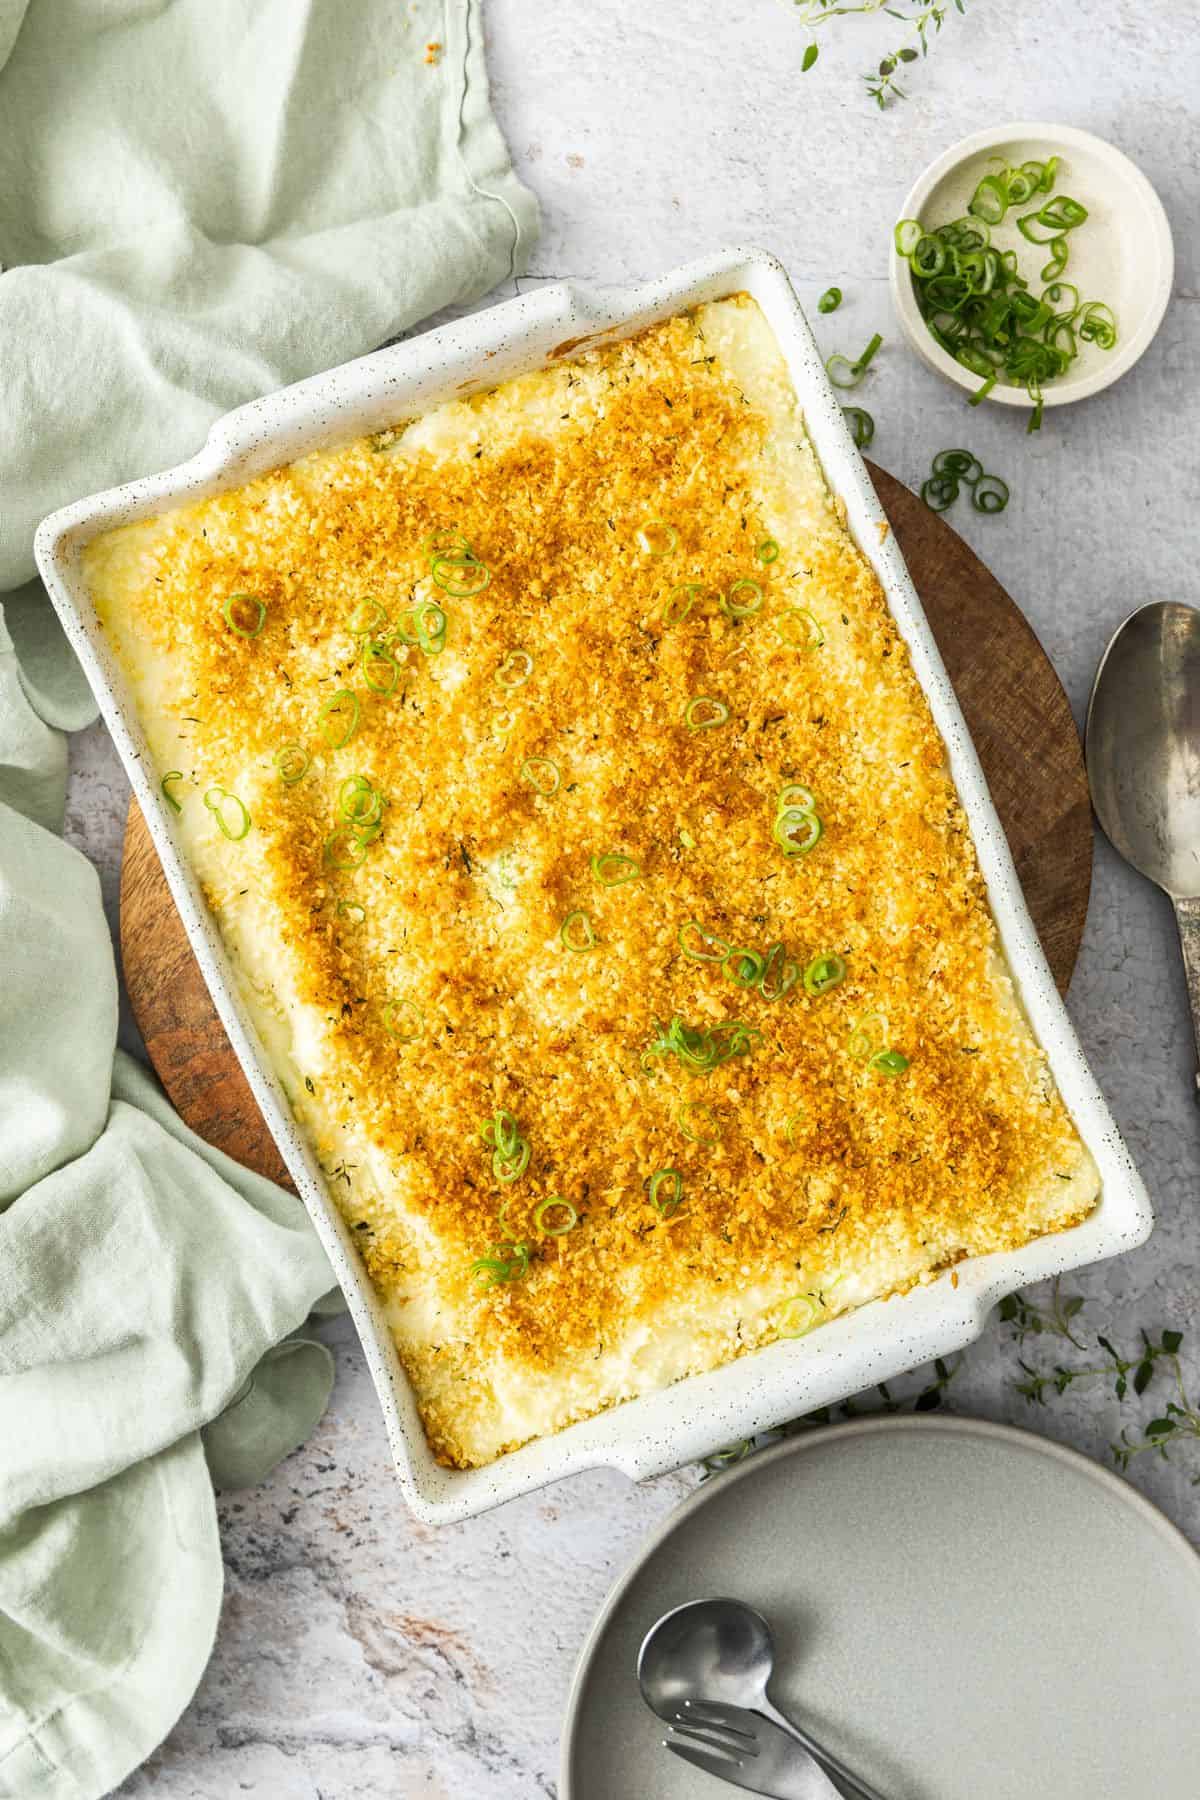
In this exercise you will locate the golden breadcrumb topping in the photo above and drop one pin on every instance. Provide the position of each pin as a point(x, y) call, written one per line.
point(616, 691)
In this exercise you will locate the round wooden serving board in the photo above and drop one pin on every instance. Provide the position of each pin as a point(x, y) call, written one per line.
point(1020, 721)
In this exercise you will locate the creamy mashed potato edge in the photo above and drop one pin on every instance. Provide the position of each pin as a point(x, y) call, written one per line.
point(426, 922)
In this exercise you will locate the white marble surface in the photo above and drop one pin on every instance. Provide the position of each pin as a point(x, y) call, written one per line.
point(359, 1654)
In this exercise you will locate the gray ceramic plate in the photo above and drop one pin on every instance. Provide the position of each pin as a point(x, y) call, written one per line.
point(964, 1611)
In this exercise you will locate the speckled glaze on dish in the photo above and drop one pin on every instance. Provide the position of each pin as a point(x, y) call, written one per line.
point(663, 1430)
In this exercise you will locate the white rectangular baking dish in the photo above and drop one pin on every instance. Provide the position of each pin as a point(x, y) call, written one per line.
point(663, 1430)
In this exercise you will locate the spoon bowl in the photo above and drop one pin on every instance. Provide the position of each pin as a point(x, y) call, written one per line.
point(707, 1650)
point(1143, 760)
point(1143, 744)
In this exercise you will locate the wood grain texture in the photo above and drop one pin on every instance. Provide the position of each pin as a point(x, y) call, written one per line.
point(1020, 720)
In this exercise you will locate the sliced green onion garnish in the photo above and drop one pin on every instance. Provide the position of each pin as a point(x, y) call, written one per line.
point(657, 539)
point(830, 300)
point(612, 869)
point(338, 718)
point(245, 614)
point(345, 849)
point(429, 623)
point(1059, 253)
point(232, 818)
point(790, 1124)
point(679, 602)
point(459, 572)
point(503, 1262)
point(888, 1062)
point(514, 671)
point(800, 629)
point(1061, 336)
point(704, 713)
point(767, 550)
point(846, 374)
point(170, 776)
point(698, 1123)
point(800, 1314)
point(576, 932)
point(928, 256)
point(865, 360)
point(541, 774)
point(701, 1049)
point(1063, 296)
point(666, 1191)
point(1020, 186)
point(403, 1021)
point(744, 967)
point(794, 794)
point(780, 973)
point(866, 1035)
point(939, 492)
point(510, 1151)
point(991, 199)
point(842, 372)
point(699, 945)
point(292, 761)
point(444, 543)
point(1097, 324)
point(907, 235)
point(501, 1133)
point(1051, 220)
point(352, 910)
point(824, 973)
point(556, 1204)
point(379, 667)
point(511, 1167)
point(961, 464)
point(743, 598)
point(366, 618)
point(990, 494)
point(797, 831)
point(361, 805)
point(862, 425)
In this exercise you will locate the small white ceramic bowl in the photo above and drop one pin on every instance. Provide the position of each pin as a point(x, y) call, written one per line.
point(1122, 254)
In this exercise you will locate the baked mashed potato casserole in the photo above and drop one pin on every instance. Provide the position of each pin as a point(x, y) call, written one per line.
point(592, 870)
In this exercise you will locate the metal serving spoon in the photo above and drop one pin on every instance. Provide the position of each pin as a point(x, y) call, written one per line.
point(1143, 761)
point(722, 1650)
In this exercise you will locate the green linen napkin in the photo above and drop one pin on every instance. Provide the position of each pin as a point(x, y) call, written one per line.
point(199, 200)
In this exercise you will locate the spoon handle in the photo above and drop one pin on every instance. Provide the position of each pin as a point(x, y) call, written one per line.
point(1187, 917)
point(847, 1782)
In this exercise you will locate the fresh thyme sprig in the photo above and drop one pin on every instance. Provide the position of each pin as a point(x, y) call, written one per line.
point(1029, 1320)
point(1136, 1371)
point(922, 17)
point(926, 1398)
point(1179, 1419)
